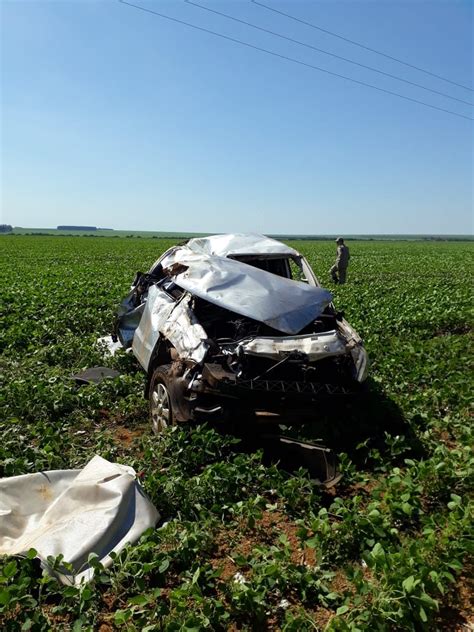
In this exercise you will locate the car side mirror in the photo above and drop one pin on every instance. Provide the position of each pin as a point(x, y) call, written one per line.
point(137, 278)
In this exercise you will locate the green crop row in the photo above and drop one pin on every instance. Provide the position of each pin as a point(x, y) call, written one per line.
point(245, 546)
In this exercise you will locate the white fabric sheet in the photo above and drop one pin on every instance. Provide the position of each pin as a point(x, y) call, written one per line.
point(74, 512)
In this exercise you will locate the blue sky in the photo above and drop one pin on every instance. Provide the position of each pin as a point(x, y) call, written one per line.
point(115, 117)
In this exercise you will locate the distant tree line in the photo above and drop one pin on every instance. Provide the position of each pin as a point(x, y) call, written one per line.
point(6, 228)
point(77, 228)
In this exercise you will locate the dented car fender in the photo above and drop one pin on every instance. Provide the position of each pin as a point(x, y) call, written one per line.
point(164, 317)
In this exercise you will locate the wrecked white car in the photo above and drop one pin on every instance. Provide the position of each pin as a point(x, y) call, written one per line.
point(232, 326)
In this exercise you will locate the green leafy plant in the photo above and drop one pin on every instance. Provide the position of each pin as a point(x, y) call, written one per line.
point(243, 545)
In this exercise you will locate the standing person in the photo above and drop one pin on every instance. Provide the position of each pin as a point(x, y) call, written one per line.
point(339, 269)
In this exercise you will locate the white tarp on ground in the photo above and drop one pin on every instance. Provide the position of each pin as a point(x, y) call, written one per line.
point(97, 510)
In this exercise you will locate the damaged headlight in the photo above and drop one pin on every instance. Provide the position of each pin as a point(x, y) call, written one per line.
point(359, 355)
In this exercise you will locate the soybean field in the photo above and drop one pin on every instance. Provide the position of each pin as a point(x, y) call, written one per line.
point(242, 545)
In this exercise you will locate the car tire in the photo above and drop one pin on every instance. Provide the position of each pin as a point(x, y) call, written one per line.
point(160, 403)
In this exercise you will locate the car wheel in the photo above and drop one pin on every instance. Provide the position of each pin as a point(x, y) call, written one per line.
point(160, 401)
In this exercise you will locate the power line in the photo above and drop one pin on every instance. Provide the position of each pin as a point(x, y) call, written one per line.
point(325, 52)
point(295, 61)
point(372, 50)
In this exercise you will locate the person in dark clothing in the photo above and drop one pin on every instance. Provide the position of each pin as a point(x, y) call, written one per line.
point(339, 269)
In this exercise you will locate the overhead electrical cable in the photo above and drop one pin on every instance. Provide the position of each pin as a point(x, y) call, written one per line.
point(291, 59)
point(325, 52)
point(372, 50)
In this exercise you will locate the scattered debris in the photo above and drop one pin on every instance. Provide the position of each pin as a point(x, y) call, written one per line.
point(239, 579)
point(293, 454)
point(98, 509)
point(109, 345)
point(95, 375)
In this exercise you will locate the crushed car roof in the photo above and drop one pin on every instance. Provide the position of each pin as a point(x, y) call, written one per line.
point(235, 244)
point(280, 303)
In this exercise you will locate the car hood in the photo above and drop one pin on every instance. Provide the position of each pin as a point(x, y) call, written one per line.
point(283, 304)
